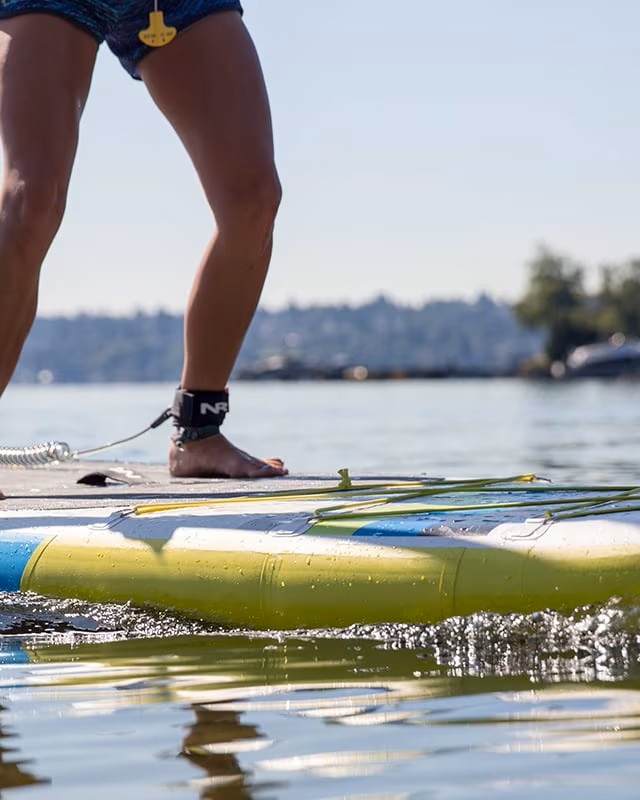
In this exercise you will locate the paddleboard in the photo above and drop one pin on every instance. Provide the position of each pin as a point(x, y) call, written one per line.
point(398, 552)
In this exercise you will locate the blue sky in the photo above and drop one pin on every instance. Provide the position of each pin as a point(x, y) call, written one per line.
point(426, 149)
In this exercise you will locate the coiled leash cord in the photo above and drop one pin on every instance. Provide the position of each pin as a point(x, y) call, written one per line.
point(52, 452)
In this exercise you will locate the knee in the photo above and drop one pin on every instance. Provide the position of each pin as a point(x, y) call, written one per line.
point(33, 207)
point(250, 207)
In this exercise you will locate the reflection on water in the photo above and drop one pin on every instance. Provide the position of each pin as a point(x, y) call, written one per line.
point(214, 743)
point(455, 711)
point(14, 770)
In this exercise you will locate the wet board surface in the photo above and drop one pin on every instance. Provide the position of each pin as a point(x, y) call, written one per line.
point(56, 486)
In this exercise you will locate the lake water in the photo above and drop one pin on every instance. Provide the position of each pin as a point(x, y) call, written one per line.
point(103, 701)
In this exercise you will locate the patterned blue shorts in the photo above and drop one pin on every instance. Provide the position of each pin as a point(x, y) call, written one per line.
point(118, 22)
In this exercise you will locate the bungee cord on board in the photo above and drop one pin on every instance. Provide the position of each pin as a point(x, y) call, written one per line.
point(39, 455)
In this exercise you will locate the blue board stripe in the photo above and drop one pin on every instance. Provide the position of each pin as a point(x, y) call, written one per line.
point(395, 526)
point(15, 551)
point(438, 523)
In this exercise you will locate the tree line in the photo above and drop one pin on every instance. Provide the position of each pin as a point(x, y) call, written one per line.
point(555, 314)
point(440, 337)
point(557, 303)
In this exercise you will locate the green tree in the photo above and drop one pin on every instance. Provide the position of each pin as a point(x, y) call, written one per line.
point(556, 302)
point(619, 299)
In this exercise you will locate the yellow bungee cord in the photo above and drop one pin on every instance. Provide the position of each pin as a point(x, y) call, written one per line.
point(367, 500)
point(393, 492)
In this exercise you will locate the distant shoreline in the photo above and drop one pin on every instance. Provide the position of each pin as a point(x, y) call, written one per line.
point(379, 340)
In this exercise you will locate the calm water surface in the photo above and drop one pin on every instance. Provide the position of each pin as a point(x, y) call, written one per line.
point(106, 701)
point(572, 431)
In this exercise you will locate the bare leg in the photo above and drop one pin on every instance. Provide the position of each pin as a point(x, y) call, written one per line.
point(41, 101)
point(209, 85)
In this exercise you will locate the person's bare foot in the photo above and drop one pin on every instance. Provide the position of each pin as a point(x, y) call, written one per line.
point(216, 457)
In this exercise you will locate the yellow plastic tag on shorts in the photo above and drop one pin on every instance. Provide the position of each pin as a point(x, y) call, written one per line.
point(157, 34)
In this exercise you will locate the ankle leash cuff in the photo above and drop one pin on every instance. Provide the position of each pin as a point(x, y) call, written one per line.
point(198, 415)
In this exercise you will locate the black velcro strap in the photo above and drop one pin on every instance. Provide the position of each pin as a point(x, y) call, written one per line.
point(184, 435)
point(199, 409)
